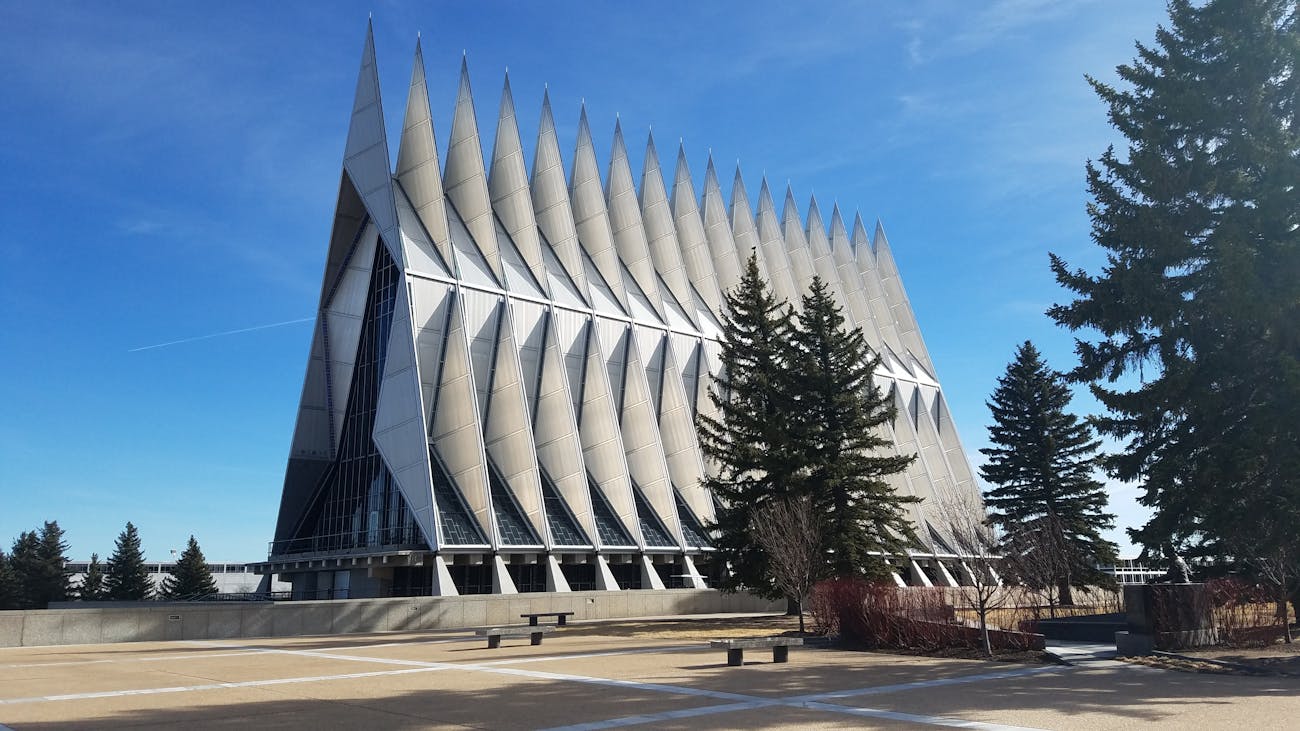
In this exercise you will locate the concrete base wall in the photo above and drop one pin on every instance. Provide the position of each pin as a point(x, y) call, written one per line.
point(228, 620)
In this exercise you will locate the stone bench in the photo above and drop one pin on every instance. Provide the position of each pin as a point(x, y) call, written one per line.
point(533, 633)
point(560, 617)
point(736, 648)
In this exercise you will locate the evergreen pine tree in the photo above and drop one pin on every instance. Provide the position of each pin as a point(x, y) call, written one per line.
point(749, 438)
point(1042, 464)
point(25, 564)
point(839, 440)
point(92, 586)
point(1200, 296)
point(191, 576)
point(51, 580)
point(127, 577)
point(8, 584)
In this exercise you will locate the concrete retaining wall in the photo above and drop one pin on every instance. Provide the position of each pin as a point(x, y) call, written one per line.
point(227, 620)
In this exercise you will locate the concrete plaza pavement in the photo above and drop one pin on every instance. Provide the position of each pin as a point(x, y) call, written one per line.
point(597, 676)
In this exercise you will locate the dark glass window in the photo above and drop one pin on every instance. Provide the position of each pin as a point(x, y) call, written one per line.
point(628, 575)
point(581, 577)
point(528, 577)
point(458, 526)
point(694, 532)
point(472, 579)
point(511, 523)
point(608, 526)
point(654, 531)
point(564, 528)
point(358, 504)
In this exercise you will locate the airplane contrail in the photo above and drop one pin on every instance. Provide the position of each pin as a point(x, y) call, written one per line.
point(222, 334)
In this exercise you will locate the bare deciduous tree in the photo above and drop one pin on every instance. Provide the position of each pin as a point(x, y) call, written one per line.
point(1272, 551)
point(789, 531)
point(975, 540)
point(1037, 556)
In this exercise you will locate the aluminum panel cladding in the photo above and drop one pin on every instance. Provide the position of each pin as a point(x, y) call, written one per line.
point(421, 255)
point(660, 231)
point(590, 217)
point(696, 256)
point(418, 171)
point(431, 311)
point(508, 188)
point(456, 431)
point(464, 178)
point(551, 205)
point(717, 230)
point(772, 242)
point(343, 318)
point(626, 225)
point(399, 432)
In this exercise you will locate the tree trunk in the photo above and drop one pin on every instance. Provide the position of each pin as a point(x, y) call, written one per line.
point(1063, 590)
point(984, 630)
point(1282, 613)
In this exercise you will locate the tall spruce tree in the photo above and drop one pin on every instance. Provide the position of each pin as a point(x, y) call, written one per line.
point(8, 584)
point(749, 439)
point(127, 578)
point(839, 441)
point(25, 565)
point(1200, 296)
point(92, 585)
point(191, 576)
point(1043, 463)
point(51, 582)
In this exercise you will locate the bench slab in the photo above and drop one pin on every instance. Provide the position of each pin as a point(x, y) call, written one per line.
point(750, 643)
point(533, 633)
point(560, 617)
point(736, 647)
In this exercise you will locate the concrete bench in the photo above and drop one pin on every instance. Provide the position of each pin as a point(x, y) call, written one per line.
point(533, 633)
point(736, 648)
point(560, 617)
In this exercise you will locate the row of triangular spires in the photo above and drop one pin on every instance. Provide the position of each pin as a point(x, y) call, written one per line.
point(554, 336)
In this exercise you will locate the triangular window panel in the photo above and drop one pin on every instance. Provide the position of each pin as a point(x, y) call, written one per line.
point(651, 527)
point(691, 377)
point(602, 297)
point(694, 532)
point(654, 373)
point(518, 278)
point(641, 308)
point(676, 315)
point(709, 324)
point(421, 253)
point(472, 265)
point(458, 526)
point(938, 540)
point(511, 523)
point(610, 528)
point(357, 505)
point(564, 527)
point(563, 290)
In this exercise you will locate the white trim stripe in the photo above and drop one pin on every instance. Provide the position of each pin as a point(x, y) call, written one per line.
point(213, 686)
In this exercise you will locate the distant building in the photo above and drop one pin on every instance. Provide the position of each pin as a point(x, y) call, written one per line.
point(507, 364)
point(231, 578)
point(1133, 571)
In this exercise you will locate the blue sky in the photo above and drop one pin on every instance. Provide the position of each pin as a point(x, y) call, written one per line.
point(169, 172)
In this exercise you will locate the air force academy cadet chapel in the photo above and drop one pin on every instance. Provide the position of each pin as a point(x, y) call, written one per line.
point(507, 363)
